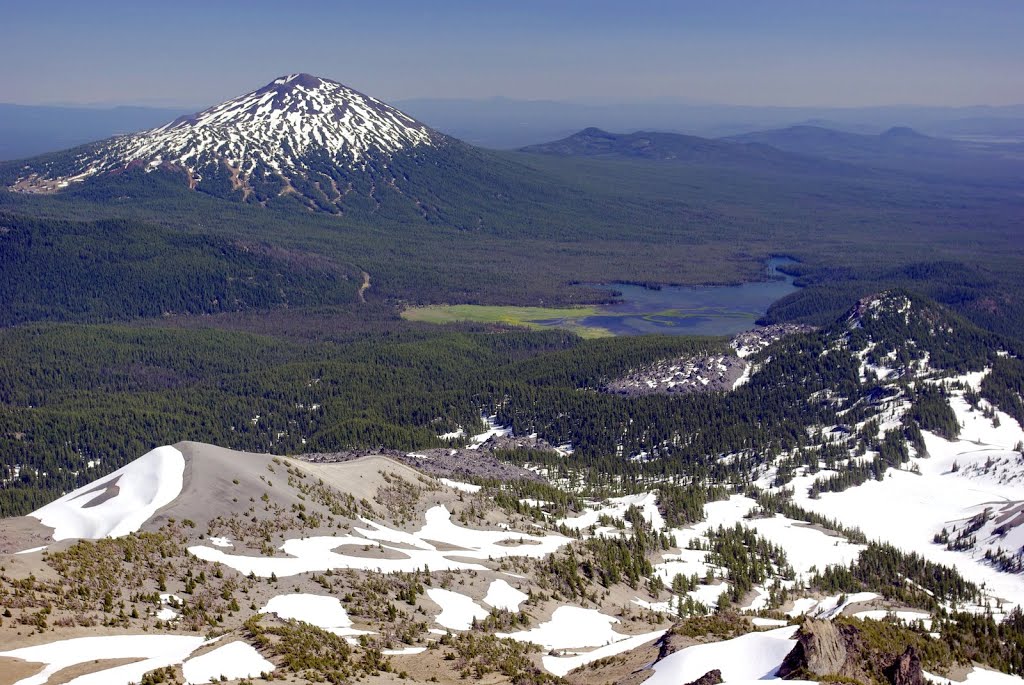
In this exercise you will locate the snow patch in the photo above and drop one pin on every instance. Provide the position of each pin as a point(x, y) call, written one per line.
point(414, 552)
point(154, 651)
point(405, 651)
point(904, 616)
point(457, 610)
point(978, 676)
point(32, 550)
point(494, 430)
point(616, 508)
point(233, 660)
point(320, 611)
point(768, 622)
point(464, 487)
point(830, 607)
point(571, 627)
point(501, 595)
point(562, 665)
point(807, 548)
point(745, 659)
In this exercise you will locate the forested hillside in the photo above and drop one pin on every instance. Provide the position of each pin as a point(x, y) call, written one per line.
point(72, 395)
point(521, 229)
point(126, 268)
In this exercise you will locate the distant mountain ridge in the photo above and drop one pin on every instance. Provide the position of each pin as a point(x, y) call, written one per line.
point(506, 123)
point(818, 140)
point(510, 123)
point(899, 148)
point(676, 147)
point(806, 149)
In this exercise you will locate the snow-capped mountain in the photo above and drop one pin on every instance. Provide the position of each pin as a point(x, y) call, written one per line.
point(299, 134)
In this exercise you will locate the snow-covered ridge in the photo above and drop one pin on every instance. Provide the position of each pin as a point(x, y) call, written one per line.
point(279, 129)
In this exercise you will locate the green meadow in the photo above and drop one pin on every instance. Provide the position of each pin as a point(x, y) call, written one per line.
point(531, 317)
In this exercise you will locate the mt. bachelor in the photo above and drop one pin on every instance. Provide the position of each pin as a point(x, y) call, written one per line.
point(299, 135)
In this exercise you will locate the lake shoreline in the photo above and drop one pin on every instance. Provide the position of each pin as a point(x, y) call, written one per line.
point(713, 310)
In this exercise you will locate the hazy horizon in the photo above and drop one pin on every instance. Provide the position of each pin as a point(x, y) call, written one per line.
point(576, 102)
point(792, 53)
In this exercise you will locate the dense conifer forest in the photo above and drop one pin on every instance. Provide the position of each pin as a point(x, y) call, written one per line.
point(81, 400)
point(520, 231)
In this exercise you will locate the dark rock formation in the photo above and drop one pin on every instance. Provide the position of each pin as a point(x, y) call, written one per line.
point(702, 373)
point(710, 678)
point(825, 648)
point(907, 669)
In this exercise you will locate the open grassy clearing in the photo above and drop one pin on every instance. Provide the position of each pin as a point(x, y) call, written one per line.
point(531, 317)
point(572, 319)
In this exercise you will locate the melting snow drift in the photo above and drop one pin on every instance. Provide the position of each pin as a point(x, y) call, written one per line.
point(154, 651)
point(414, 551)
point(320, 611)
point(120, 503)
point(233, 660)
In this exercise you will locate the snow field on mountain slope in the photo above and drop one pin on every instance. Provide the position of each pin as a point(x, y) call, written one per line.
point(329, 116)
point(562, 665)
point(806, 548)
point(909, 617)
point(120, 503)
point(570, 627)
point(754, 657)
point(458, 611)
point(168, 603)
point(318, 610)
point(501, 595)
point(958, 480)
point(154, 651)
point(276, 126)
point(574, 628)
point(414, 553)
point(458, 485)
point(233, 660)
point(833, 606)
point(494, 430)
point(616, 508)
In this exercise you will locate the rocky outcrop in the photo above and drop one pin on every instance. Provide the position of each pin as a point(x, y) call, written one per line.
point(681, 375)
point(751, 342)
point(824, 648)
point(670, 643)
point(710, 678)
point(702, 373)
point(907, 669)
point(827, 649)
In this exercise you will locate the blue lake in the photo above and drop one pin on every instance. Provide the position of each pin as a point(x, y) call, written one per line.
point(704, 310)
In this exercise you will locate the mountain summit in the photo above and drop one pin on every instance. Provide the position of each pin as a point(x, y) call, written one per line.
point(299, 134)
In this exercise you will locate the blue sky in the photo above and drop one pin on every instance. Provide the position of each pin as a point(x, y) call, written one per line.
point(763, 52)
